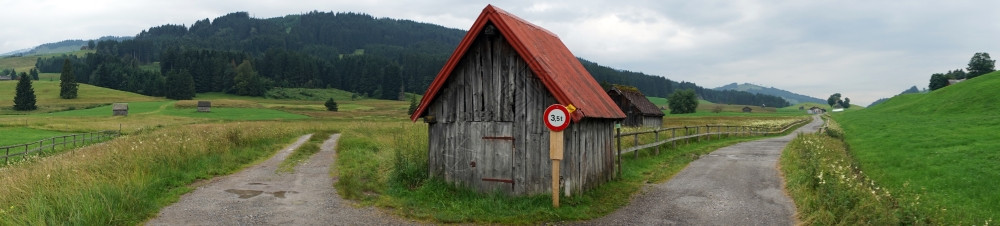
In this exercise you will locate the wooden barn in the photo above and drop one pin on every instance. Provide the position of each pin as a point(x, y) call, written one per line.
point(119, 109)
point(484, 112)
point(204, 106)
point(639, 111)
point(747, 109)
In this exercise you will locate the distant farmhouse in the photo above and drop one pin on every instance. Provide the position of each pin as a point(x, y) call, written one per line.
point(955, 81)
point(747, 109)
point(816, 110)
point(639, 111)
point(204, 106)
point(4, 77)
point(119, 109)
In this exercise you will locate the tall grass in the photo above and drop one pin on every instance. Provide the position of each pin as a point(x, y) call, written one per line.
point(830, 189)
point(129, 179)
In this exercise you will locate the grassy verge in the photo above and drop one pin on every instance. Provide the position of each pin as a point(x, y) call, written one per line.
point(829, 188)
point(304, 152)
point(126, 180)
point(385, 165)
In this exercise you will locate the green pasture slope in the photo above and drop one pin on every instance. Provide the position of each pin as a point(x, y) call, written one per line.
point(167, 108)
point(939, 149)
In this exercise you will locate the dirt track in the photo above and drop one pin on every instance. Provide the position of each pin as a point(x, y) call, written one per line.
point(260, 196)
point(735, 185)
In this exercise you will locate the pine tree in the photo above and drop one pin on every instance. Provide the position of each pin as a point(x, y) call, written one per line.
point(67, 84)
point(413, 105)
point(331, 105)
point(34, 74)
point(24, 97)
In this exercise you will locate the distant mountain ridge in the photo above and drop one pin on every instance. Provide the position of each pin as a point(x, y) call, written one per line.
point(61, 46)
point(793, 98)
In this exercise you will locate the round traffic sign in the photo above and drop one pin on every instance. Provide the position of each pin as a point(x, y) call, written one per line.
point(556, 117)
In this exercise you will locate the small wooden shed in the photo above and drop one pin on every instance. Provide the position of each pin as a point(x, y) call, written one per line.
point(639, 111)
point(119, 109)
point(204, 106)
point(484, 112)
point(747, 109)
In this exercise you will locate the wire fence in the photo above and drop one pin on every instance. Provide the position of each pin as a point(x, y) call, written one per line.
point(50, 144)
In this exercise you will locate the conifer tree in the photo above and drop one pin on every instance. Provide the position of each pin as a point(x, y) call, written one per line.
point(331, 105)
point(67, 81)
point(24, 97)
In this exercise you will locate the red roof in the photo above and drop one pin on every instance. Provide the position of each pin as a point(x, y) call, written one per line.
point(558, 69)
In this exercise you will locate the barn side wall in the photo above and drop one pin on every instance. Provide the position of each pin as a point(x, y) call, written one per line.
point(487, 131)
point(652, 121)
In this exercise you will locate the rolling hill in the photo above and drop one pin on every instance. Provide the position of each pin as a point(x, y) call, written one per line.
point(349, 51)
point(936, 148)
point(792, 98)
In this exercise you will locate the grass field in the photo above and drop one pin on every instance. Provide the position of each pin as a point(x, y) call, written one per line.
point(936, 149)
point(707, 109)
point(21, 135)
point(47, 94)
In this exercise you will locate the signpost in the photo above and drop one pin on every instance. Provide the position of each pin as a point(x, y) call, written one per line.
point(557, 119)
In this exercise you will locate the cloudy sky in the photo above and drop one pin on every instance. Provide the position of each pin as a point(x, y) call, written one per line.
point(865, 49)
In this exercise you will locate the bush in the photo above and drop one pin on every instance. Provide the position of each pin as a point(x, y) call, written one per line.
point(331, 105)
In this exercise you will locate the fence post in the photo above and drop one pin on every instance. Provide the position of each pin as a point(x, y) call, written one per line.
point(74, 140)
point(619, 136)
point(636, 142)
point(656, 134)
point(697, 131)
point(53, 144)
point(673, 136)
point(708, 132)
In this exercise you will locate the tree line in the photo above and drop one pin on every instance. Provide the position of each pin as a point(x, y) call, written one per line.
point(979, 64)
point(375, 57)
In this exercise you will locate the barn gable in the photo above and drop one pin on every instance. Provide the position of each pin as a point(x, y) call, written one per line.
point(547, 57)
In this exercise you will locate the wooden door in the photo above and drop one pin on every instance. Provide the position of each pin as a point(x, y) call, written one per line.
point(495, 161)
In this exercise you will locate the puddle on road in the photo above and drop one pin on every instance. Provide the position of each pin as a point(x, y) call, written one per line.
point(246, 194)
point(255, 183)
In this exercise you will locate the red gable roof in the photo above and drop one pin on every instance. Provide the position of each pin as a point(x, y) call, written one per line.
point(548, 58)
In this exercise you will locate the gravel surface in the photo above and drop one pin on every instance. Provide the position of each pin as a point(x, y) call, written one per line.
point(735, 185)
point(260, 196)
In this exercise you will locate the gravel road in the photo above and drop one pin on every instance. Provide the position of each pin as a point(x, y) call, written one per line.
point(260, 196)
point(735, 185)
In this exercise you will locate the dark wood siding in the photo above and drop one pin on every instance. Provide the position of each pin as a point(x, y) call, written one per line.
point(487, 129)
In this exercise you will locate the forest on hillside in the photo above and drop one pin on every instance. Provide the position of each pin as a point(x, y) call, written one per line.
point(375, 57)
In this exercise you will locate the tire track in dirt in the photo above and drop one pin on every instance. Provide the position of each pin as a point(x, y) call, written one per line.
point(258, 195)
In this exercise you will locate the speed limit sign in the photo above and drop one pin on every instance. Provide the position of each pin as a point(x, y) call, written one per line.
point(556, 117)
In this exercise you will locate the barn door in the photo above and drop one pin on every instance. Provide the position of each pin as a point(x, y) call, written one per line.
point(496, 158)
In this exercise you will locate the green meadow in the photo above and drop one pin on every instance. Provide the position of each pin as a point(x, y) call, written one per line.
point(22, 135)
point(936, 151)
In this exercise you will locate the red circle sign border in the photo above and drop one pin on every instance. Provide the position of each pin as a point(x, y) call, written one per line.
point(556, 107)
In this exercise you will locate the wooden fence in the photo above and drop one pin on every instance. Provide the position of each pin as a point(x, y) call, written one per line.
point(23, 150)
point(688, 133)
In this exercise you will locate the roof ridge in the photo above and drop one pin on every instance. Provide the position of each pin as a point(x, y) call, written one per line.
point(519, 19)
